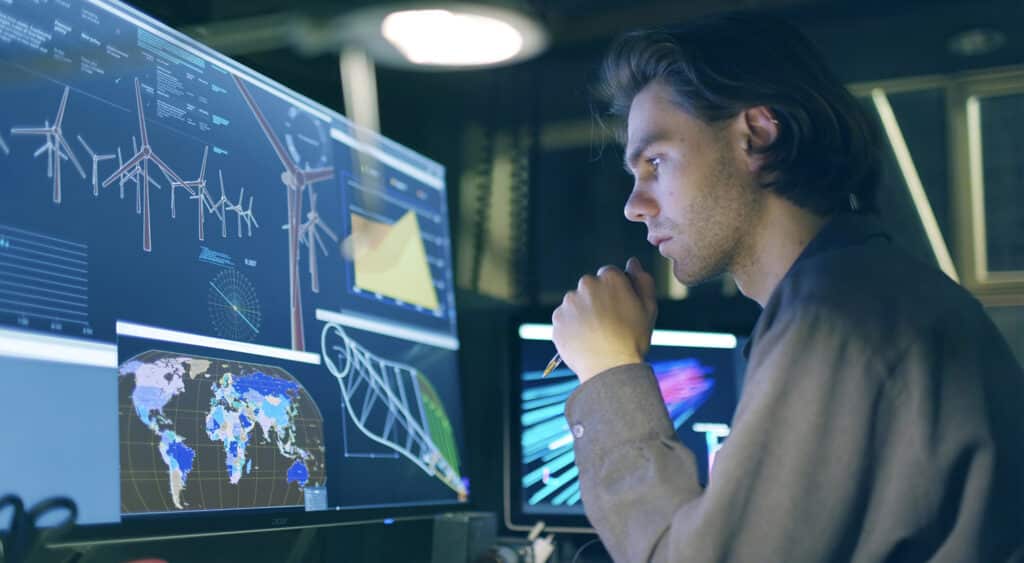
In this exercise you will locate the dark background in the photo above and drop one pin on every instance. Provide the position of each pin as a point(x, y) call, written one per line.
point(566, 214)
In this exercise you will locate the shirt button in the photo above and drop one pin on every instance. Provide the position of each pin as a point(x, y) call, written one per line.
point(577, 430)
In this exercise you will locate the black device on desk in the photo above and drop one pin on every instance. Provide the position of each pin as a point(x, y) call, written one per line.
point(699, 373)
point(223, 307)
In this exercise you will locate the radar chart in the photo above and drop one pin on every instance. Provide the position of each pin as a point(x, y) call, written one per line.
point(234, 307)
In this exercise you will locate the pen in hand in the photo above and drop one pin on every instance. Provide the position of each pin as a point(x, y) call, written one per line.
point(557, 359)
point(554, 363)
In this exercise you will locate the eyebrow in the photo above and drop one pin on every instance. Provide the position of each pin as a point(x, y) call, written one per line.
point(642, 145)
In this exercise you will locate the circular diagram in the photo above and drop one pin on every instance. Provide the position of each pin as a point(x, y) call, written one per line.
point(306, 140)
point(234, 307)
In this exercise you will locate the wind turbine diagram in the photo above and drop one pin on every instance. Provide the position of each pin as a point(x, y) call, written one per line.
point(56, 146)
point(133, 176)
point(242, 214)
point(310, 236)
point(220, 208)
point(247, 215)
point(395, 405)
point(137, 169)
point(194, 186)
point(143, 157)
point(295, 181)
point(96, 160)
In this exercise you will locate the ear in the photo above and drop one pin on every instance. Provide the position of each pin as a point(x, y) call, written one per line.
point(760, 129)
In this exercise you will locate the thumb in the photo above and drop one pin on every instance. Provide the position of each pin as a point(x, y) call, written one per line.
point(643, 284)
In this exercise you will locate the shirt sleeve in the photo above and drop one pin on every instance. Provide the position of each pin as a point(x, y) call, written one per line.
point(790, 481)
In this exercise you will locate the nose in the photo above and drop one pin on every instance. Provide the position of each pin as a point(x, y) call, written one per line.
point(640, 206)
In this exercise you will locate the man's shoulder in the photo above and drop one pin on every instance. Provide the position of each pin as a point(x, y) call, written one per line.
point(876, 294)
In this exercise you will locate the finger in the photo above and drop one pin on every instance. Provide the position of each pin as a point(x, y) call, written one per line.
point(643, 284)
point(606, 269)
point(584, 283)
point(612, 274)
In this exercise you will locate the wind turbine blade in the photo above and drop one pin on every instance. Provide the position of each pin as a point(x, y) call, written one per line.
point(328, 230)
point(141, 117)
point(318, 175)
point(279, 149)
point(29, 131)
point(88, 149)
point(202, 171)
point(63, 106)
point(123, 169)
point(320, 242)
point(171, 175)
point(74, 159)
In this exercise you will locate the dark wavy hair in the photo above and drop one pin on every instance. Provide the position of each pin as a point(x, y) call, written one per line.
point(717, 67)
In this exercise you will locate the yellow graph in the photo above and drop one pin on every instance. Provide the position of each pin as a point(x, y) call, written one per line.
point(390, 260)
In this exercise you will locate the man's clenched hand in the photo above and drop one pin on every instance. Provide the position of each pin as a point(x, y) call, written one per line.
point(607, 321)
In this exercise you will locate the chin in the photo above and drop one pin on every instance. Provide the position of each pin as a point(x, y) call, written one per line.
point(691, 276)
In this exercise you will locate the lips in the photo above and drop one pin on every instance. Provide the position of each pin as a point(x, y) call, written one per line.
point(657, 240)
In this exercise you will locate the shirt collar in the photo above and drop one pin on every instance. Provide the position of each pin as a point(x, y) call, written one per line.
point(842, 230)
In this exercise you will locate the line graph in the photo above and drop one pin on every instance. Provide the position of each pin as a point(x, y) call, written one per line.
point(295, 180)
point(56, 146)
point(44, 278)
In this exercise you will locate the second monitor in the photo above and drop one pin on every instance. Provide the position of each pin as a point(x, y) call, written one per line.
point(699, 375)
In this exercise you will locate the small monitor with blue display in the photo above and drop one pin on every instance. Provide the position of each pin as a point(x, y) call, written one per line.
point(223, 306)
point(699, 375)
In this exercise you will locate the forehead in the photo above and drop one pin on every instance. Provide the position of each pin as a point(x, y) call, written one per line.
point(653, 114)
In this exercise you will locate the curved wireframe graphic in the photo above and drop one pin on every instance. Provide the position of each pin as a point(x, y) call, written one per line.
point(395, 405)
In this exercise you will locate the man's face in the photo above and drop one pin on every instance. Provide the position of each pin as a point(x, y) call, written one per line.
point(693, 186)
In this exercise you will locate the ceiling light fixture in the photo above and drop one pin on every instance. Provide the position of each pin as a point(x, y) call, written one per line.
point(976, 41)
point(444, 36)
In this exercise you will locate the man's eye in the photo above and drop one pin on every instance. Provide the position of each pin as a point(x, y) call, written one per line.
point(654, 162)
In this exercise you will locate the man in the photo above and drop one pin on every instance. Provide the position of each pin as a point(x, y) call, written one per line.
point(880, 415)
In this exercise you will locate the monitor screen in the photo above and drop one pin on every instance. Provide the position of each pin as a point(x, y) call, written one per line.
point(699, 375)
point(222, 305)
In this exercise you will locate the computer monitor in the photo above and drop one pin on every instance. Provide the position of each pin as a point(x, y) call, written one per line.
point(223, 306)
point(699, 375)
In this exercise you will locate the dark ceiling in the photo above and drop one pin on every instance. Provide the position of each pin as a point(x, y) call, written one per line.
point(864, 40)
point(902, 32)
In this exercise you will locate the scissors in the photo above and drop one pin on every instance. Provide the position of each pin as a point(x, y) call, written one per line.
point(23, 535)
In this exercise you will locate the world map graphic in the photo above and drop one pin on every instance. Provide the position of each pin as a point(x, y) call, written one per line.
point(203, 433)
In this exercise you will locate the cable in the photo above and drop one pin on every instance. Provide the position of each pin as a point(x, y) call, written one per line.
point(584, 547)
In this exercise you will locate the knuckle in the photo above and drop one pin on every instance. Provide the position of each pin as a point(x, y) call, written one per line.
point(608, 270)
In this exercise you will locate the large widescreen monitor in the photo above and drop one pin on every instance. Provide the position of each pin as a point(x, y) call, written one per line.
point(699, 374)
point(222, 305)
